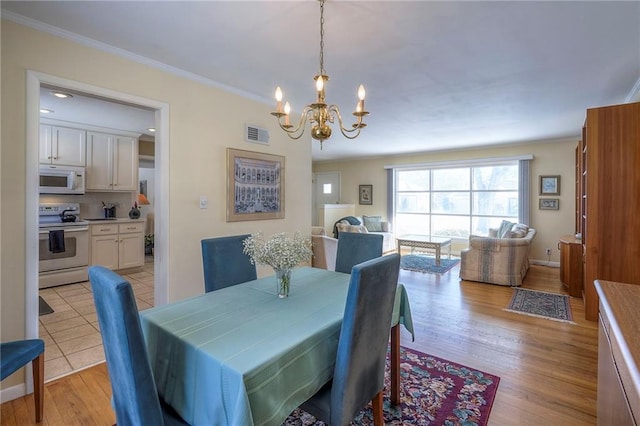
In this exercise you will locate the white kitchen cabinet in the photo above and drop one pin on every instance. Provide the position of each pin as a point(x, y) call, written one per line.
point(112, 162)
point(117, 245)
point(62, 146)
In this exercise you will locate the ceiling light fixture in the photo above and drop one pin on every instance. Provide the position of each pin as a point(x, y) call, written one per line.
point(46, 111)
point(151, 129)
point(62, 95)
point(319, 113)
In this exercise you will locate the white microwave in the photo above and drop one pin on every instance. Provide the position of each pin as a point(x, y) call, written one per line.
point(61, 179)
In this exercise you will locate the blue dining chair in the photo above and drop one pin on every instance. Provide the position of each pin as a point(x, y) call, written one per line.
point(354, 248)
point(135, 397)
point(14, 355)
point(225, 263)
point(358, 376)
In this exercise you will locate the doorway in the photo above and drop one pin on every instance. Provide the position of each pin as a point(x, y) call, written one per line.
point(160, 269)
point(326, 190)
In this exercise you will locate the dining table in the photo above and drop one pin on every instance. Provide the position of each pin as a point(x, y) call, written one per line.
point(242, 356)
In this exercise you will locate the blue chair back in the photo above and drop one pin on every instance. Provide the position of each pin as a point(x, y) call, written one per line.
point(135, 396)
point(354, 248)
point(225, 263)
point(360, 361)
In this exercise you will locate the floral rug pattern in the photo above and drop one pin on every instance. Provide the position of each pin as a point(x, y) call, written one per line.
point(433, 391)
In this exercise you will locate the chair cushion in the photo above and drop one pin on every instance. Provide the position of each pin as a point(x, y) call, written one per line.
point(372, 223)
point(518, 230)
point(14, 355)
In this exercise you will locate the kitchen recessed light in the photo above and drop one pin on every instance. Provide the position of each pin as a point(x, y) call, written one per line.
point(151, 129)
point(62, 95)
point(46, 110)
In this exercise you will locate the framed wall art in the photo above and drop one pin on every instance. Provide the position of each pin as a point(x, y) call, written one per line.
point(549, 204)
point(550, 185)
point(255, 185)
point(365, 194)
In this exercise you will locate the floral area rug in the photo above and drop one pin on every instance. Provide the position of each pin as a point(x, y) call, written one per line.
point(541, 304)
point(433, 391)
point(424, 263)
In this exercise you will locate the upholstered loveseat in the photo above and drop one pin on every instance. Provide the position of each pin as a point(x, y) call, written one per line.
point(369, 224)
point(324, 249)
point(501, 258)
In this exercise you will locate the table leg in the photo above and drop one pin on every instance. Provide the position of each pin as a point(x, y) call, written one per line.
point(438, 255)
point(395, 364)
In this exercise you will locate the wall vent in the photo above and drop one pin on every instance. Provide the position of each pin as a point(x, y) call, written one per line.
point(256, 134)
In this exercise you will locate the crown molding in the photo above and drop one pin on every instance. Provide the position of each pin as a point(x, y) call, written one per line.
point(107, 48)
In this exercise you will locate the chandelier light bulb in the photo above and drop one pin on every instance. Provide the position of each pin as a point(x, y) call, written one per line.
point(319, 83)
point(361, 92)
point(278, 94)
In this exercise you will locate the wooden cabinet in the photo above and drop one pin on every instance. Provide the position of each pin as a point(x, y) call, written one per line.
point(112, 162)
point(62, 146)
point(571, 264)
point(117, 245)
point(610, 193)
point(618, 353)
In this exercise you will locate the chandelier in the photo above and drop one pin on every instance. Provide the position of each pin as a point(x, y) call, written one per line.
point(318, 112)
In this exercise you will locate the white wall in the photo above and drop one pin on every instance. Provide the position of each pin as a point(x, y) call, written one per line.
point(202, 121)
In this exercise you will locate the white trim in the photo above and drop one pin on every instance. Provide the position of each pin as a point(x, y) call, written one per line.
point(544, 263)
point(34, 80)
point(104, 47)
point(462, 163)
point(90, 128)
point(634, 94)
point(14, 392)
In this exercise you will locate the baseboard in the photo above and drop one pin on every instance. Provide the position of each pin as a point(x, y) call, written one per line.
point(544, 263)
point(12, 393)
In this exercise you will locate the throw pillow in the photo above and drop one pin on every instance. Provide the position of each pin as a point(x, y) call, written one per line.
point(373, 223)
point(504, 228)
point(518, 231)
point(345, 227)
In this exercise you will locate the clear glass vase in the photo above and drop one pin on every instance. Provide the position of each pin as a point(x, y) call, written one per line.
point(283, 280)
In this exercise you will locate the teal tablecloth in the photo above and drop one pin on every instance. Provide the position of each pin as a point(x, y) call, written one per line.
point(241, 356)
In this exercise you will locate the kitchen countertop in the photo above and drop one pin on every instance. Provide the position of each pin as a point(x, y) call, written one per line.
point(111, 220)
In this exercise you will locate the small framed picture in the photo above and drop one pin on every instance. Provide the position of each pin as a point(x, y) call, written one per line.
point(549, 204)
point(365, 194)
point(550, 185)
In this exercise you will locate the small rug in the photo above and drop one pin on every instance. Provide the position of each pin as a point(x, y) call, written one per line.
point(424, 263)
point(43, 307)
point(541, 304)
point(433, 391)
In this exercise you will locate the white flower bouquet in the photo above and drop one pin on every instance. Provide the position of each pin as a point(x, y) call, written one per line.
point(280, 252)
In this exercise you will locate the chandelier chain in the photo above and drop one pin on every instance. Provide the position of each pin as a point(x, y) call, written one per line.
point(321, 37)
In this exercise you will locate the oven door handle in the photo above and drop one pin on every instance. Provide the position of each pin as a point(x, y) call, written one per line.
point(66, 230)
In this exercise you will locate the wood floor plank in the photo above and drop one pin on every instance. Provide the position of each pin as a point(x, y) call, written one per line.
point(547, 369)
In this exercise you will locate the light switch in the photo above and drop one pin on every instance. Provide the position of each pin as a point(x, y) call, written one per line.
point(204, 202)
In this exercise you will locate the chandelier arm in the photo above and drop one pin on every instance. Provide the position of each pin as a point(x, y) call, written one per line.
point(347, 133)
point(302, 124)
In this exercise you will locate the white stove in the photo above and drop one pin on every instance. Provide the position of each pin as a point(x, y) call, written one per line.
point(63, 244)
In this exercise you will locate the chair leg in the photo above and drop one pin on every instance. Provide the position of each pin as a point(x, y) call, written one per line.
point(378, 414)
point(38, 385)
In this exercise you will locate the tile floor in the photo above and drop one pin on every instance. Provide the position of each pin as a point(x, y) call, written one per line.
point(71, 333)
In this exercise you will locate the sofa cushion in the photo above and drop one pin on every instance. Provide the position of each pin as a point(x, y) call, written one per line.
point(373, 223)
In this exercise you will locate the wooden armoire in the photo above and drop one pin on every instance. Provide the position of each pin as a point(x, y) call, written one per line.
point(608, 204)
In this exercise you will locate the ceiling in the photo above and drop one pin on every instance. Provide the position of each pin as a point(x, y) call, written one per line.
point(439, 75)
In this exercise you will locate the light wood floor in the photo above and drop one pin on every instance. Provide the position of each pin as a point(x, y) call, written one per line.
point(547, 369)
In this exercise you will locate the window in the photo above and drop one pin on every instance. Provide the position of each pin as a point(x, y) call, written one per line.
point(457, 201)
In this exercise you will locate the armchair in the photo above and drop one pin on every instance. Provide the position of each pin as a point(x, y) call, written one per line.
point(497, 260)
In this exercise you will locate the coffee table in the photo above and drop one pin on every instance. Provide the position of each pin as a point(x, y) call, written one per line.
point(425, 241)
